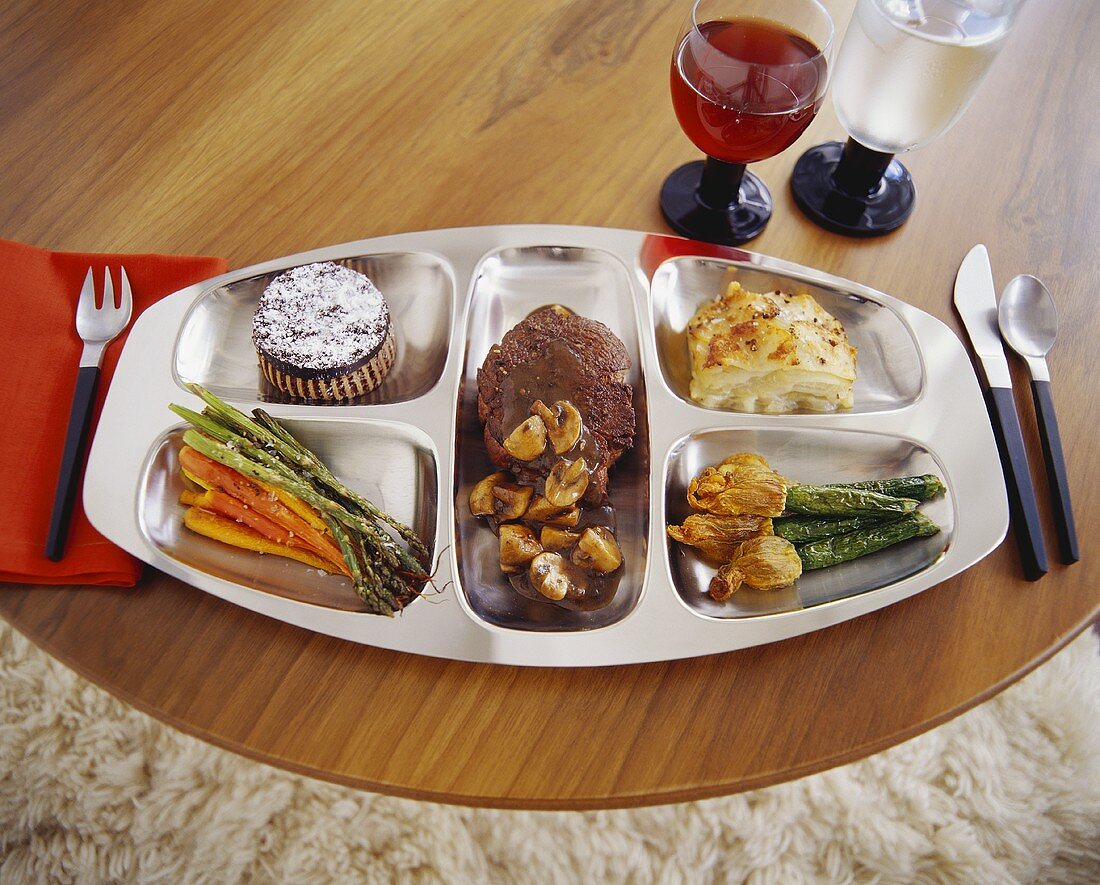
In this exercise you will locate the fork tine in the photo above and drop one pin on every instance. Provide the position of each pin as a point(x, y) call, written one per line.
point(126, 297)
point(108, 291)
point(86, 301)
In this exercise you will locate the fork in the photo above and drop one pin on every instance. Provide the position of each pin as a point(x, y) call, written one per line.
point(97, 327)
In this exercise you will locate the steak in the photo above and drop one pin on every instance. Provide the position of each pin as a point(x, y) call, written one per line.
point(554, 354)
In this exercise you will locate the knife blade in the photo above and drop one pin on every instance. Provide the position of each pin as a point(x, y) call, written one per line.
point(976, 302)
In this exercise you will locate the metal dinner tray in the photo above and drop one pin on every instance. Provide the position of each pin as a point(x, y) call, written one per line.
point(415, 445)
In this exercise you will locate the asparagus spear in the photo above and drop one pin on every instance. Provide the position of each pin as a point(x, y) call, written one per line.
point(324, 475)
point(920, 488)
point(393, 555)
point(245, 426)
point(383, 572)
point(366, 583)
point(209, 425)
point(802, 529)
point(293, 452)
point(256, 438)
point(383, 580)
point(842, 548)
point(843, 501)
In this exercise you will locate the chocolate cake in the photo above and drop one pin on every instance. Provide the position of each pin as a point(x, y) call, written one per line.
point(323, 332)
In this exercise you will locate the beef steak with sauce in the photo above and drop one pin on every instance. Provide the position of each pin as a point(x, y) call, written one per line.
point(554, 354)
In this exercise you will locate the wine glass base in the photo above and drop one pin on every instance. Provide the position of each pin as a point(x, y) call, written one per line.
point(817, 195)
point(689, 216)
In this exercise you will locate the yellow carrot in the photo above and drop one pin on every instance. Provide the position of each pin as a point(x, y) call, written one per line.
point(212, 525)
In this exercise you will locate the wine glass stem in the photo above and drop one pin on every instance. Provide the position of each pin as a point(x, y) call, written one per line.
point(860, 169)
point(720, 183)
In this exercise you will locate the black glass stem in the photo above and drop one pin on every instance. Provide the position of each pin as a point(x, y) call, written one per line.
point(854, 190)
point(720, 183)
point(716, 202)
point(860, 169)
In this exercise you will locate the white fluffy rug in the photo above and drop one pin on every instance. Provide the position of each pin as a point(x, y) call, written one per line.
point(91, 791)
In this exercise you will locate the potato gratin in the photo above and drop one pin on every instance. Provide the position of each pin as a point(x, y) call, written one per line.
point(771, 353)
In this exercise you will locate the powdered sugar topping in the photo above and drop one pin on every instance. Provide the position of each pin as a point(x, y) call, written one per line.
point(320, 316)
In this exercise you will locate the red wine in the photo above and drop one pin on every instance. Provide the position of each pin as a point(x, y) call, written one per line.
point(745, 89)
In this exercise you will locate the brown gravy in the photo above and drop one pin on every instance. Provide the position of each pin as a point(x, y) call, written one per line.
point(551, 376)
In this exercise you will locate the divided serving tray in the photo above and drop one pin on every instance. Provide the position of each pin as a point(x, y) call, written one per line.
point(415, 446)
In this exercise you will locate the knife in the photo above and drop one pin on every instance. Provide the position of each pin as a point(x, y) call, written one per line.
point(976, 302)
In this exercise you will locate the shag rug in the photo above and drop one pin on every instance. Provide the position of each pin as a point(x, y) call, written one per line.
point(92, 790)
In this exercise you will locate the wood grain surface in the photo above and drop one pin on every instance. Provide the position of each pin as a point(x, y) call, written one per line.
point(256, 130)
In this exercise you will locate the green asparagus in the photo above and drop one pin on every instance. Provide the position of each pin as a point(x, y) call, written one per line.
point(384, 574)
point(260, 442)
point(210, 426)
point(269, 434)
point(393, 555)
point(842, 548)
point(311, 469)
point(322, 474)
point(245, 426)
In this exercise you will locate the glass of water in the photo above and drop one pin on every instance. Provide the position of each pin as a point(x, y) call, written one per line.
point(906, 71)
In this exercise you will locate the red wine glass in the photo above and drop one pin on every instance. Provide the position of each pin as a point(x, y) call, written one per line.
point(747, 78)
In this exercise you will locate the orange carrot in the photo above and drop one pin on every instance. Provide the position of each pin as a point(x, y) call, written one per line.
point(298, 506)
point(260, 500)
point(212, 525)
point(226, 505)
point(219, 503)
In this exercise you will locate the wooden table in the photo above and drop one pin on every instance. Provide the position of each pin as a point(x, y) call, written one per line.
point(257, 130)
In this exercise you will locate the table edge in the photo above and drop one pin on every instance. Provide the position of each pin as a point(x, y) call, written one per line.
point(573, 803)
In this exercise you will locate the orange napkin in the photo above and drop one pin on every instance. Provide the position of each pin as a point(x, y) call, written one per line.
point(39, 356)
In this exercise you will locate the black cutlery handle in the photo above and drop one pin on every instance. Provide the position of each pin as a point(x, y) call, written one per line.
point(76, 440)
point(1021, 493)
point(1056, 470)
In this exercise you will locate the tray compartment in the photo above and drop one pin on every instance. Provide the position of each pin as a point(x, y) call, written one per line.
point(509, 284)
point(812, 456)
point(889, 373)
point(215, 348)
point(392, 464)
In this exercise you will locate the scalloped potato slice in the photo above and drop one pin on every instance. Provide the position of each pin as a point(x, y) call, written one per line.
point(775, 352)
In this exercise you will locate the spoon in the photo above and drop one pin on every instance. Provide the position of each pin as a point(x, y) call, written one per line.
point(1029, 324)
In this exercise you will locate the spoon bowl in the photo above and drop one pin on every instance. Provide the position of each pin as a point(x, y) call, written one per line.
point(1027, 317)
